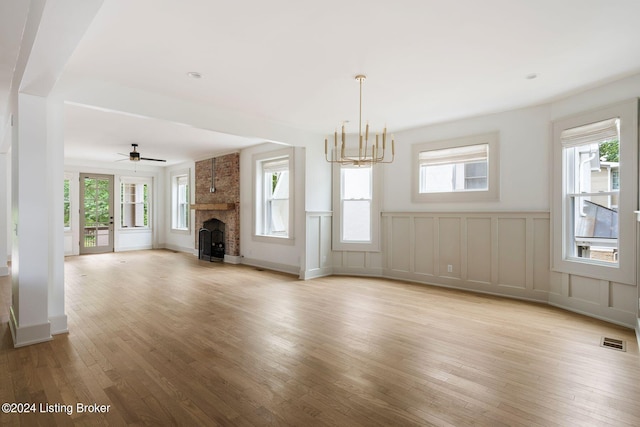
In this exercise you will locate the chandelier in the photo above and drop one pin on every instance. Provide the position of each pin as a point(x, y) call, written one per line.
point(367, 154)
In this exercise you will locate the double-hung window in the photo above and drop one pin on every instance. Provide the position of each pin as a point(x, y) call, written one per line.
point(275, 218)
point(461, 169)
point(134, 203)
point(595, 193)
point(356, 211)
point(273, 189)
point(180, 198)
point(356, 194)
point(593, 217)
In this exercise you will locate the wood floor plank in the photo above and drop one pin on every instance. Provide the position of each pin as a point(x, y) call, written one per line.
point(165, 339)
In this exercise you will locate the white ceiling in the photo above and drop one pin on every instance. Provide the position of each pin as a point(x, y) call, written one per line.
point(293, 62)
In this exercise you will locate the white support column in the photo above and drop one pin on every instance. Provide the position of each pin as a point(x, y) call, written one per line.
point(55, 190)
point(30, 259)
point(4, 223)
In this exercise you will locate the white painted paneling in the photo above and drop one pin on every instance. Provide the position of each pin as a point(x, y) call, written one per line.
point(355, 260)
point(424, 246)
point(584, 288)
point(512, 257)
point(313, 242)
point(541, 242)
point(479, 255)
point(400, 238)
point(488, 252)
point(449, 247)
point(622, 297)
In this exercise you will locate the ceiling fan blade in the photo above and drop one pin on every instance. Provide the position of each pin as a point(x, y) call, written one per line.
point(152, 160)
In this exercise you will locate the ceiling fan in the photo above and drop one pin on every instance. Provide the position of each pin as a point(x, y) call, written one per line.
point(134, 155)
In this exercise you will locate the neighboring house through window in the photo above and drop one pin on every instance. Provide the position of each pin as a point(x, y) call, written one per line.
point(595, 193)
point(461, 169)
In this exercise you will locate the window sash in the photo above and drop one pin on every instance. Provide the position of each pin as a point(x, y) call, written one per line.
point(276, 197)
point(182, 202)
point(462, 154)
point(356, 198)
point(563, 213)
point(134, 205)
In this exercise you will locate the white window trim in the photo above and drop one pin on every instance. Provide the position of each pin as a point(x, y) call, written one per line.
point(257, 191)
point(174, 198)
point(337, 243)
point(70, 177)
point(493, 169)
point(624, 271)
point(136, 180)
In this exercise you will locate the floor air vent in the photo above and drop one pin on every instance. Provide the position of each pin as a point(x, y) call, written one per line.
point(613, 343)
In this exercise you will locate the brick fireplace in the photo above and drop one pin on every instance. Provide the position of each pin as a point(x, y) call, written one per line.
point(224, 203)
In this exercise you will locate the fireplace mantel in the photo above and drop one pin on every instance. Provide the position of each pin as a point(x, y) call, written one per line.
point(213, 206)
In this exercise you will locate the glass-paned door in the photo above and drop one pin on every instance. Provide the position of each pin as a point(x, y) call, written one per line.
point(96, 213)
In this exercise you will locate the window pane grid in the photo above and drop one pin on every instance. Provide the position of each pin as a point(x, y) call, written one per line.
point(275, 203)
point(134, 206)
point(356, 198)
point(591, 170)
point(456, 169)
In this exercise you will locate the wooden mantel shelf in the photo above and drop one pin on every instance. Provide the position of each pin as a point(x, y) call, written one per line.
point(213, 206)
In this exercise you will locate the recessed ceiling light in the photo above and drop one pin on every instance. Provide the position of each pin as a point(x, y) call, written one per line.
point(531, 76)
point(194, 74)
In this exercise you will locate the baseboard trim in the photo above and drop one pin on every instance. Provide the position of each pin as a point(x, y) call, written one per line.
point(283, 268)
point(233, 259)
point(178, 248)
point(133, 248)
point(59, 325)
point(28, 335)
point(362, 272)
point(316, 272)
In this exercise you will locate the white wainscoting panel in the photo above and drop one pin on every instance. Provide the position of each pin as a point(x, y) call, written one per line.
point(318, 259)
point(513, 260)
point(504, 253)
point(501, 253)
point(424, 247)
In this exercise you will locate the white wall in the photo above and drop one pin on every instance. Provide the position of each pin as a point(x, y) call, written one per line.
point(524, 161)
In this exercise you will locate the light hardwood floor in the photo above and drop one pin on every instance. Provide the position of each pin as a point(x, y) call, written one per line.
point(166, 339)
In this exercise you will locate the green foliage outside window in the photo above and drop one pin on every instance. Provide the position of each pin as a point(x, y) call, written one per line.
point(96, 202)
point(609, 151)
point(67, 205)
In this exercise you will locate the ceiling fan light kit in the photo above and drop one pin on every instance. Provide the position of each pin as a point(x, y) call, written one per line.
point(134, 155)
